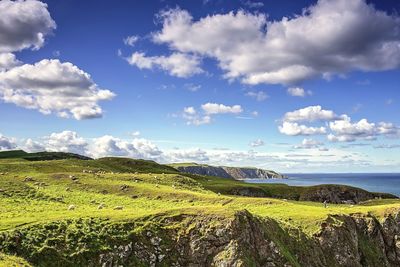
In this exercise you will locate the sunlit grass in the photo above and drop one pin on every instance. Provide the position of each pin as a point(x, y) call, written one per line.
point(50, 195)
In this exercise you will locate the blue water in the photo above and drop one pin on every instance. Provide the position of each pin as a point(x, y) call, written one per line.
point(374, 182)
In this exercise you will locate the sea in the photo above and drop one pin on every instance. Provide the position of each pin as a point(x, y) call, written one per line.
point(374, 182)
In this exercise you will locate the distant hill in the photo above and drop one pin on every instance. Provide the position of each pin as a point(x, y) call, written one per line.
point(40, 155)
point(237, 173)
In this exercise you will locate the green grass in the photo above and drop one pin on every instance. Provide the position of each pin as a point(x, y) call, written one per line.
point(40, 155)
point(150, 188)
point(12, 261)
point(145, 190)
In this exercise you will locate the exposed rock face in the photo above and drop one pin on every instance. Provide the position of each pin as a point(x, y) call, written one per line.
point(340, 194)
point(212, 240)
point(230, 172)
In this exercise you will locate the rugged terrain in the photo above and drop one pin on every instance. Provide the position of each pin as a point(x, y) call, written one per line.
point(124, 212)
point(237, 173)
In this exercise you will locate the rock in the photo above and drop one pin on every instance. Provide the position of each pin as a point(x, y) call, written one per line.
point(230, 172)
point(71, 207)
point(124, 187)
point(29, 179)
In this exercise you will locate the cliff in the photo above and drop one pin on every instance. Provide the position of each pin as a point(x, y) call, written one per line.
point(228, 172)
point(210, 240)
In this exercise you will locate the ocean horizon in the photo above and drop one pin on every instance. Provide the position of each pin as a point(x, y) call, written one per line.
point(373, 182)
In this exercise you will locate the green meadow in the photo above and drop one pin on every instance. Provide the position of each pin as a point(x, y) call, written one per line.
point(35, 194)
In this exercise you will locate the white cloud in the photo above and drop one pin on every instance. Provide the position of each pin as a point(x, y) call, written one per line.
point(7, 143)
point(318, 159)
point(131, 40)
point(189, 110)
point(298, 91)
point(24, 24)
point(257, 143)
point(66, 141)
point(248, 47)
point(308, 144)
point(193, 117)
point(108, 145)
point(53, 87)
point(342, 129)
point(135, 133)
point(33, 146)
point(177, 64)
point(8, 61)
point(293, 128)
point(388, 129)
point(49, 85)
point(311, 113)
point(214, 108)
point(258, 95)
point(346, 131)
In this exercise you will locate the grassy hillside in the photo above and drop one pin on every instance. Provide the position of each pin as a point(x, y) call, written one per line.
point(40, 155)
point(76, 199)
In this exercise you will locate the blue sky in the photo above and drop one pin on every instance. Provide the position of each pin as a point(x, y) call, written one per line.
point(206, 81)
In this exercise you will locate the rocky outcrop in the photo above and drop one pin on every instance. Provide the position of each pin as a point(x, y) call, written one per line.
point(212, 240)
point(248, 241)
point(230, 172)
point(339, 194)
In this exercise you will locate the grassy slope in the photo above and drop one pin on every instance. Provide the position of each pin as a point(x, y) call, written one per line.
point(12, 261)
point(151, 189)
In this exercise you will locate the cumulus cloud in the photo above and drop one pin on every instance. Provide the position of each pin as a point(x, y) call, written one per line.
point(318, 159)
point(177, 64)
point(48, 85)
point(346, 131)
point(204, 116)
point(214, 108)
point(8, 61)
point(257, 143)
point(33, 146)
point(341, 127)
point(310, 114)
point(7, 143)
point(24, 24)
point(108, 145)
point(248, 47)
point(258, 95)
point(298, 91)
point(193, 118)
point(51, 86)
point(293, 128)
point(66, 141)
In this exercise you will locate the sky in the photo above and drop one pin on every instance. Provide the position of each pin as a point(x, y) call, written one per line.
point(293, 86)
